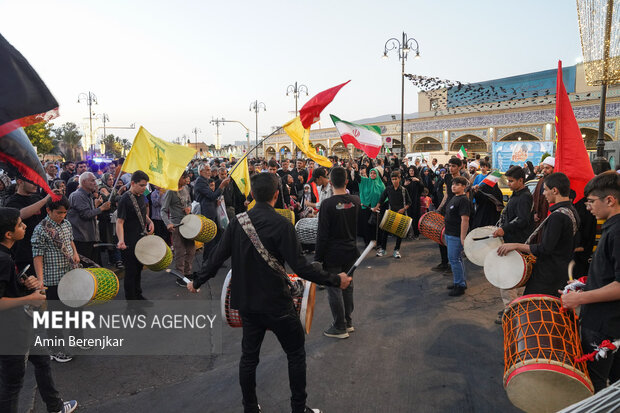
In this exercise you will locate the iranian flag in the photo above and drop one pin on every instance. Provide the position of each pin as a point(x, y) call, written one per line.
point(364, 137)
point(462, 153)
point(492, 178)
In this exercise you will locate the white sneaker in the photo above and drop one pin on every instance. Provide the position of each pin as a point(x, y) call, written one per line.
point(61, 357)
point(381, 252)
point(396, 254)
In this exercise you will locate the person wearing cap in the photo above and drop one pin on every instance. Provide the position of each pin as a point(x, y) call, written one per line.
point(540, 203)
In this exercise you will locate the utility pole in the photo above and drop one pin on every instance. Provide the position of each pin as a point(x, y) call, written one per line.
point(217, 123)
point(90, 99)
point(196, 131)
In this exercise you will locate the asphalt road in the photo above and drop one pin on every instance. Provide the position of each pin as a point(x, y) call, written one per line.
point(415, 349)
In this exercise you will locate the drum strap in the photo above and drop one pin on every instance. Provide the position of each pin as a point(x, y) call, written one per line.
point(134, 201)
point(297, 288)
point(52, 232)
point(562, 210)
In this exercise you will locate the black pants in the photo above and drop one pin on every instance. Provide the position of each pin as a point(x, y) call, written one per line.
point(86, 249)
point(383, 236)
point(340, 301)
point(162, 231)
point(368, 231)
point(605, 368)
point(210, 246)
point(133, 274)
point(54, 304)
point(287, 328)
point(443, 251)
point(12, 371)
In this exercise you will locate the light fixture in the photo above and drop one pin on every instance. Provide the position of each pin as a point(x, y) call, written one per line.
point(583, 135)
point(385, 56)
point(518, 138)
point(468, 140)
point(417, 55)
point(428, 141)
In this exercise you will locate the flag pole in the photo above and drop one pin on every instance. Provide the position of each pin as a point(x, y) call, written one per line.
point(255, 147)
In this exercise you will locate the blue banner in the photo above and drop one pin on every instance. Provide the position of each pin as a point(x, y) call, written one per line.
point(518, 153)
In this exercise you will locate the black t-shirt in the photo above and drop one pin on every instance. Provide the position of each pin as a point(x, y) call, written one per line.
point(23, 248)
point(14, 324)
point(458, 206)
point(337, 230)
point(133, 229)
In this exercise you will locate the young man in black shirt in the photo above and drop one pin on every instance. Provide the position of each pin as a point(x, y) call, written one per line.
point(399, 201)
point(454, 168)
point(600, 300)
point(458, 211)
point(555, 250)
point(17, 328)
point(336, 248)
point(261, 294)
point(130, 227)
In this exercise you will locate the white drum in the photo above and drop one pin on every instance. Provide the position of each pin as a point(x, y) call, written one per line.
point(307, 230)
point(476, 249)
point(153, 252)
point(509, 271)
point(86, 286)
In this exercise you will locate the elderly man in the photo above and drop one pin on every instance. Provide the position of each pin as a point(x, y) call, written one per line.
point(51, 170)
point(85, 206)
point(541, 205)
point(208, 203)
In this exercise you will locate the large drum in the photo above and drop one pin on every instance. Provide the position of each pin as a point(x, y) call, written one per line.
point(395, 223)
point(433, 227)
point(307, 230)
point(509, 271)
point(541, 343)
point(287, 213)
point(198, 228)
point(86, 286)
point(476, 249)
point(153, 252)
point(303, 305)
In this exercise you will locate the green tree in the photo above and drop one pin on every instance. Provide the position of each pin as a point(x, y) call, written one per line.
point(68, 140)
point(40, 134)
point(125, 145)
point(112, 145)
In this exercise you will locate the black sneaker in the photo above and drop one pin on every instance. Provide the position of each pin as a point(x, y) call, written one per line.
point(335, 332)
point(456, 291)
point(440, 268)
point(451, 287)
point(447, 271)
point(119, 265)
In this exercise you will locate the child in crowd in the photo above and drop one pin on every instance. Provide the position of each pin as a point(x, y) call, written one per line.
point(425, 202)
point(458, 211)
point(399, 200)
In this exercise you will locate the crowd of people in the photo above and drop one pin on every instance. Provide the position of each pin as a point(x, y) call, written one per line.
point(102, 213)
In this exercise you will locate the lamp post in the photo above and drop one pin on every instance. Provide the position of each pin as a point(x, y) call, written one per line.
point(195, 131)
point(296, 90)
point(402, 48)
point(90, 98)
point(256, 107)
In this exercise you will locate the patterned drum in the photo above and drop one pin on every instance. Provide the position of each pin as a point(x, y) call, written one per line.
point(153, 252)
point(307, 230)
point(198, 228)
point(432, 226)
point(303, 305)
point(541, 343)
point(395, 223)
point(509, 271)
point(287, 213)
point(477, 249)
point(87, 286)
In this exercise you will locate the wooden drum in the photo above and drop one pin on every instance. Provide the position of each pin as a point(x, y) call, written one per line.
point(432, 225)
point(509, 271)
point(153, 252)
point(198, 228)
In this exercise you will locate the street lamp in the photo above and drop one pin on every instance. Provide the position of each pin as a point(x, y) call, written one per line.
point(195, 131)
point(256, 107)
point(90, 98)
point(402, 48)
point(296, 90)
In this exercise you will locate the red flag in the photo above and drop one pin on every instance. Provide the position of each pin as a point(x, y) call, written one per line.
point(311, 111)
point(571, 156)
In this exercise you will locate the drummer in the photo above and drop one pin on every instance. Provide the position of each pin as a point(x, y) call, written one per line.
point(261, 293)
point(558, 231)
point(399, 200)
point(600, 300)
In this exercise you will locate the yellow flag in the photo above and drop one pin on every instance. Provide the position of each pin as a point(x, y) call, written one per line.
point(163, 162)
point(301, 137)
point(241, 175)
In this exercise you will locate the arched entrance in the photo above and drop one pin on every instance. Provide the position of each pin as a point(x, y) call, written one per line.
point(340, 150)
point(427, 144)
point(590, 136)
point(519, 136)
point(270, 152)
point(285, 152)
point(321, 149)
point(471, 143)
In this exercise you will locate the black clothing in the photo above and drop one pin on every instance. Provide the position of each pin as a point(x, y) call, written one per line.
point(132, 227)
point(23, 248)
point(353, 184)
point(486, 212)
point(207, 198)
point(337, 231)
point(606, 367)
point(255, 286)
point(415, 189)
point(9, 286)
point(395, 197)
point(457, 207)
point(553, 253)
point(604, 269)
point(66, 175)
point(587, 235)
point(71, 188)
point(517, 217)
point(299, 186)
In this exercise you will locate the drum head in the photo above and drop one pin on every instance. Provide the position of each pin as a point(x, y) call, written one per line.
point(150, 250)
point(384, 219)
point(307, 306)
point(546, 388)
point(76, 288)
point(477, 251)
point(192, 224)
point(504, 272)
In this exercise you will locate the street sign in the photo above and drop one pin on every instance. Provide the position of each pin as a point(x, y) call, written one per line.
point(387, 142)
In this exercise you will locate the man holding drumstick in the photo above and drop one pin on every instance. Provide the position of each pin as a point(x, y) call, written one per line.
point(261, 294)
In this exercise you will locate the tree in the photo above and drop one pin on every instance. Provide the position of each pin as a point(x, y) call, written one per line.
point(40, 134)
point(68, 140)
point(112, 145)
point(126, 145)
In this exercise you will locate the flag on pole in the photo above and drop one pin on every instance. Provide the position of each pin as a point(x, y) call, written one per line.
point(24, 101)
point(311, 111)
point(364, 137)
point(300, 136)
point(492, 178)
point(462, 153)
point(163, 162)
point(571, 156)
point(241, 176)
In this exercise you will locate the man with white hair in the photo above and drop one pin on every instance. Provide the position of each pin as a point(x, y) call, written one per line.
point(86, 204)
point(540, 204)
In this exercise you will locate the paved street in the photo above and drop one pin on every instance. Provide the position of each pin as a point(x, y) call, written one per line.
point(415, 349)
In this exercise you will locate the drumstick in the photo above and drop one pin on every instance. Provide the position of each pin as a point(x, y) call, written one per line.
point(370, 246)
point(481, 238)
point(182, 277)
point(571, 266)
point(177, 225)
point(104, 244)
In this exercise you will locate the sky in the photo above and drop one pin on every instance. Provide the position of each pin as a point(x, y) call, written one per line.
point(173, 66)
